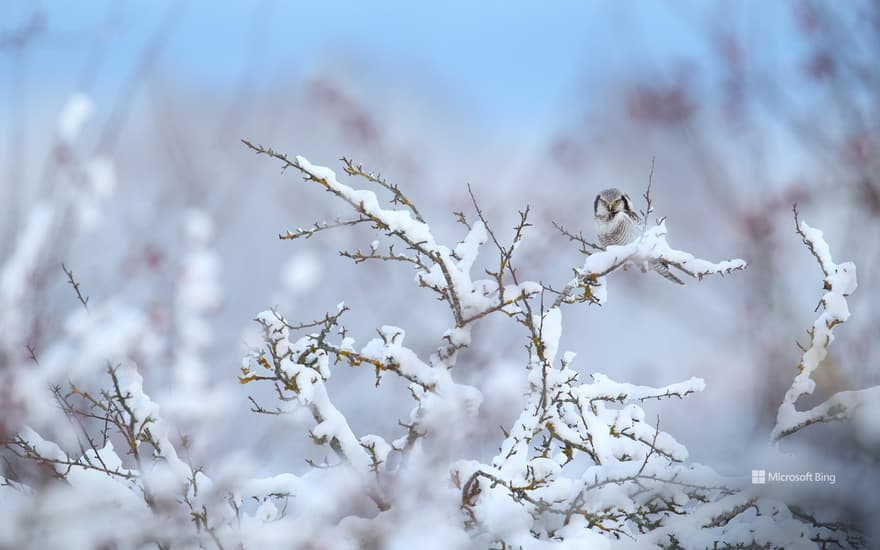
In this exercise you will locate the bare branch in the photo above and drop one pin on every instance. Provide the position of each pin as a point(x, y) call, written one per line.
point(586, 248)
point(322, 226)
point(649, 208)
point(84, 300)
point(32, 354)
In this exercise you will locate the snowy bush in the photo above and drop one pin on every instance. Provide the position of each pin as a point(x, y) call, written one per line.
point(582, 466)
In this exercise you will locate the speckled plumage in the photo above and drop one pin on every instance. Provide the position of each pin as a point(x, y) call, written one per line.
point(618, 224)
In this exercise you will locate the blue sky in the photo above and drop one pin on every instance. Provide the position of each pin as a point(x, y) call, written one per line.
point(507, 63)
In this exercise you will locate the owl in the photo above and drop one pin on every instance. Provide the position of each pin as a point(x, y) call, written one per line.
point(618, 224)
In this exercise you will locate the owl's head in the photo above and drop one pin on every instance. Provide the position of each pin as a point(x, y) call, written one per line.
point(610, 202)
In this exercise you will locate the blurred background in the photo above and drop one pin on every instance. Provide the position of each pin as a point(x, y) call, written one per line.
point(120, 157)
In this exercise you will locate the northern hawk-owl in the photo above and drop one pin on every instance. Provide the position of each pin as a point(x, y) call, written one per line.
point(618, 224)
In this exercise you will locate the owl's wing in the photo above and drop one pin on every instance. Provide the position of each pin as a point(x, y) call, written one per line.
point(635, 218)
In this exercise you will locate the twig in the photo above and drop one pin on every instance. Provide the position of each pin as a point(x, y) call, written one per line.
point(399, 198)
point(647, 196)
point(20, 38)
point(320, 226)
point(84, 300)
point(32, 354)
point(579, 238)
point(810, 245)
point(449, 293)
point(652, 448)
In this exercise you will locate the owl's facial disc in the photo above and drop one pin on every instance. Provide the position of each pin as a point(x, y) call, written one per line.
point(616, 206)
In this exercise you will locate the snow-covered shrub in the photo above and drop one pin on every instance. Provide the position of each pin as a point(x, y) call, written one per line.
point(582, 466)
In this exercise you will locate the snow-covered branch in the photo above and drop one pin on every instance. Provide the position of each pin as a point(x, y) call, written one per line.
point(588, 284)
point(445, 271)
point(839, 282)
point(299, 370)
point(193, 399)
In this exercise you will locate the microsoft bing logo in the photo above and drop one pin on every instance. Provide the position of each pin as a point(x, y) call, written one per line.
point(762, 477)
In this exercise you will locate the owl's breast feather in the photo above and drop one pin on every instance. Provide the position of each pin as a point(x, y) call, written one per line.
point(618, 231)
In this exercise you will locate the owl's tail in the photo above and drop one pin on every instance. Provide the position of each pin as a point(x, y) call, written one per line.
point(663, 270)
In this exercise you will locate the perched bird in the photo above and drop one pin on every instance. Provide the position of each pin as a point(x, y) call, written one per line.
point(618, 224)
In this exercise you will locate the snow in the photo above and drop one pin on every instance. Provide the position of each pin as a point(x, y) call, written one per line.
point(260, 488)
point(199, 229)
point(377, 446)
point(840, 282)
point(551, 331)
point(198, 297)
point(76, 112)
point(607, 389)
point(651, 246)
point(389, 348)
point(654, 246)
point(302, 273)
point(273, 321)
point(503, 517)
point(101, 176)
point(396, 220)
point(17, 269)
point(267, 511)
point(458, 336)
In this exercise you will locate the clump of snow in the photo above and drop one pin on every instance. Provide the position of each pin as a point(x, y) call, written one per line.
point(101, 176)
point(77, 111)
